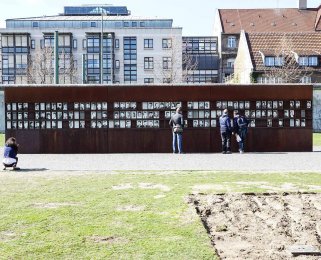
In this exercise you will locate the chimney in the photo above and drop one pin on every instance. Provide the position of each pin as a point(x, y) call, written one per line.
point(302, 4)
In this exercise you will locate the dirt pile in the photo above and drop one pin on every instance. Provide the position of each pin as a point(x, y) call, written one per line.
point(262, 226)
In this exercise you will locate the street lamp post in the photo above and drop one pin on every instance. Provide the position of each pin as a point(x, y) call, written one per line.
point(103, 11)
point(102, 47)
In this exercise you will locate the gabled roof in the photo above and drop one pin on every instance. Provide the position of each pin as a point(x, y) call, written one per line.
point(270, 20)
point(268, 44)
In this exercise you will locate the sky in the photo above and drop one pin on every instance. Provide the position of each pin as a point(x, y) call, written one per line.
point(195, 17)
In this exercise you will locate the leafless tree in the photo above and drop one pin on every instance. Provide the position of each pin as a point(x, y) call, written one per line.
point(174, 67)
point(41, 67)
point(189, 65)
point(287, 68)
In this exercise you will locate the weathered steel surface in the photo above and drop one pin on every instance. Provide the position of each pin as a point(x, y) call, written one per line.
point(149, 140)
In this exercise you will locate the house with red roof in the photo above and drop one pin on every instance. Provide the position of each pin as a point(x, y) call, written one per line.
point(258, 25)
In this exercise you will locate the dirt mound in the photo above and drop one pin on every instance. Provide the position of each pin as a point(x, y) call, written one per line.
point(262, 226)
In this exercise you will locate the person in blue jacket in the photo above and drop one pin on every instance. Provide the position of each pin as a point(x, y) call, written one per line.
point(226, 132)
point(10, 158)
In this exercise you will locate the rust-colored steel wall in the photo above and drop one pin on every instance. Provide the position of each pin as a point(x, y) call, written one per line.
point(261, 138)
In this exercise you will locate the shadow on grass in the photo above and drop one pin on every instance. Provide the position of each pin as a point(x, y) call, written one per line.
point(28, 170)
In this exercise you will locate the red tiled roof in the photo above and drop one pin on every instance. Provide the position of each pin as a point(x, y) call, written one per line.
point(270, 20)
point(303, 44)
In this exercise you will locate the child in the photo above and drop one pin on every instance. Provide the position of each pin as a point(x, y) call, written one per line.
point(10, 158)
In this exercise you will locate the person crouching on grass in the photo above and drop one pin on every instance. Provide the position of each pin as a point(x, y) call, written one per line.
point(10, 158)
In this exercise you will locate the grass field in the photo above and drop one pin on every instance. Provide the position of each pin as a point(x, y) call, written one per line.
point(317, 139)
point(122, 215)
point(2, 141)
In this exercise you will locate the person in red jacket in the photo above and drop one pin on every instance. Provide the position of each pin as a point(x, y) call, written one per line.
point(10, 158)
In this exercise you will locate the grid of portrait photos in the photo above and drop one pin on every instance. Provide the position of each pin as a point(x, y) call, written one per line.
point(261, 113)
point(202, 114)
point(127, 114)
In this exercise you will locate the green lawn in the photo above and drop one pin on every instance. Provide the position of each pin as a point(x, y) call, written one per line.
point(2, 141)
point(123, 215)
point(317, 139)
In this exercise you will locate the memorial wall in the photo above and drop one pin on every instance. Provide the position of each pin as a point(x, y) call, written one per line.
point(122, 119)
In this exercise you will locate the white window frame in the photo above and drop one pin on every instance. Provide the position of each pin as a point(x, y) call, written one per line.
point(231, 42)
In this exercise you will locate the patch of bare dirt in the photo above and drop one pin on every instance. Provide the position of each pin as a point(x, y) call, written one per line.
point(55, 205)
point(125, 186)
point(130, 208)
point(106, 240)
point(158, 186)
point(262, 226)
point(7, 235)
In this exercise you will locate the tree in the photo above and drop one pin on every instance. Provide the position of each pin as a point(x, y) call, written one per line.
point(41, 67)
point(175, 66)
point(286, 67)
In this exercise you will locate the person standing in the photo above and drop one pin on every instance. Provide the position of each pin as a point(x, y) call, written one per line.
point(226, 131)
point(10, 158)
point(240, 125)
point(177, 124)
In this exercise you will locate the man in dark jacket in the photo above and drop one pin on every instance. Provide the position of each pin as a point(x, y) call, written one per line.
point(226, 131)
point(240, 124)
point(177, 124)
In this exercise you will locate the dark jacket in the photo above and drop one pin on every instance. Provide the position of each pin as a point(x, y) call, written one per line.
point(225, 124)
point(176, 119)
point(240, 123)
point(9, 152)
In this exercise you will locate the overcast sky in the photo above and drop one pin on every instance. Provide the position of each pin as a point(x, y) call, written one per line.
point(196, 17)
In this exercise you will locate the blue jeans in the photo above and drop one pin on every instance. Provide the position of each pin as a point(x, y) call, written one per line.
point(242, 133)
point(177, 142)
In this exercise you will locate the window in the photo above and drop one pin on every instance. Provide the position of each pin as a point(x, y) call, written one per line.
point(116, 43)
point(313, 61)
point(93, 24)
point(126, 24)
point(278, 61)
point(269, 61)
point(130, 59)
point(148, 80)
point(74, 43)
point(35, 24)
point(48, 41)
point(167, 80)
point(84, 43)
point(148, 43)
point(33, 44)
point(230, 63)
point(305, 79)
point(148, 63)
point(134, 24)
point(167, 63)
point(231, 42)
point(303, 61)
point(167, 43)
point(142, 24)
point(117, 64)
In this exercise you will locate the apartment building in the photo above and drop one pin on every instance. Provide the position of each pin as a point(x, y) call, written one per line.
point(96, 44)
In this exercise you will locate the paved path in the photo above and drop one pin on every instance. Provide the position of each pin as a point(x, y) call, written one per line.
point(308, 162)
